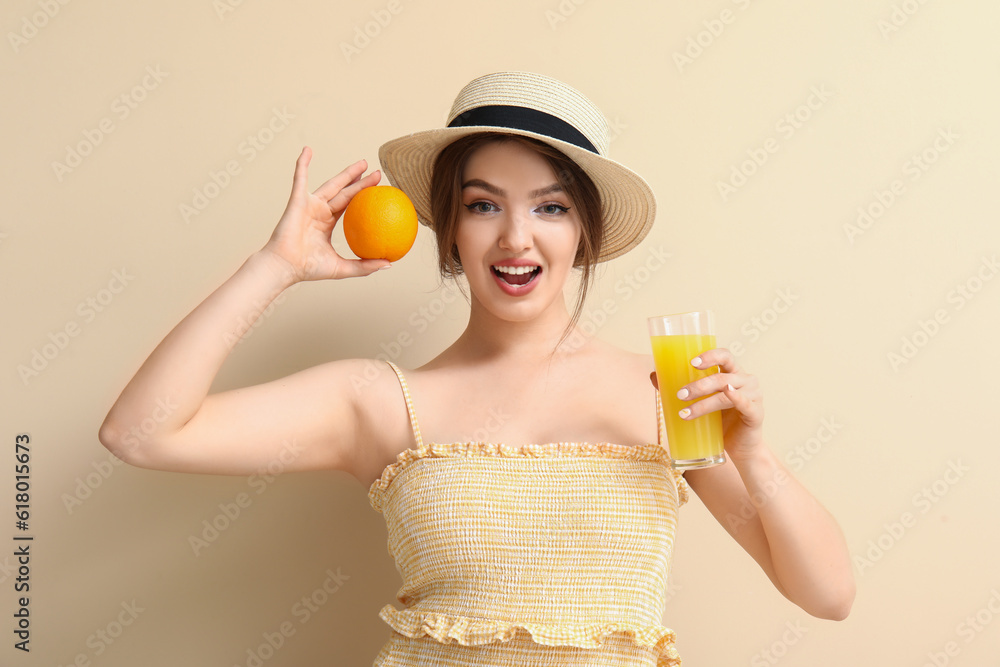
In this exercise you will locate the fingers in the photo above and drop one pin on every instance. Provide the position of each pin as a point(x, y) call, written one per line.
point(721, 400)
point(731, 387)
point(729, 373)
point(747, 405)
point(340, 200)
point(738, 399)
point(716, 382)
point(336, 191)
point(348, 181)
point(718, 356)
point(356, 268)
point(300, 178)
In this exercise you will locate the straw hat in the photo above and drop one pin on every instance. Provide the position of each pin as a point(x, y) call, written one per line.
point(535, 106)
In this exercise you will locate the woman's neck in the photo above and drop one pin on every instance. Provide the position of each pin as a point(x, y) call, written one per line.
point(488, 337)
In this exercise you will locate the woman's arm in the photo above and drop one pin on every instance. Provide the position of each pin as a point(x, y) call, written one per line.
point(784, 528)
point(165, 419)
point(758, 501)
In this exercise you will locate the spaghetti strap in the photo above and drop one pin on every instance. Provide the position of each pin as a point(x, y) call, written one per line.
point(660, 433)
point(409, 404)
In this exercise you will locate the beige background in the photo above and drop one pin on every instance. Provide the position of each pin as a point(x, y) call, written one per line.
point(817, 309)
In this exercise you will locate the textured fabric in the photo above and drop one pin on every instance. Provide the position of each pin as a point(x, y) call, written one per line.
point(547, 554)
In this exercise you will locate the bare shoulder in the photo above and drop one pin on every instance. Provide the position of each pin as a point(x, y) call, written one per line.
point(383, 425)
point(618, 366)
point(594, 392)
point(614, 384)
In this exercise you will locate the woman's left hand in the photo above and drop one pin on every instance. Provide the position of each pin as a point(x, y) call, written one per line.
point(733, 391)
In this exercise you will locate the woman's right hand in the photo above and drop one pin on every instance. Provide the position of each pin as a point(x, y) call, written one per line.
point(302, 237)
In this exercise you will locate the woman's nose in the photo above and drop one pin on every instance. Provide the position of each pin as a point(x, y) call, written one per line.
point(515, 236)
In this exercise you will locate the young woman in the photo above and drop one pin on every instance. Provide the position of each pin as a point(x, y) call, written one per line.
point(550, 543)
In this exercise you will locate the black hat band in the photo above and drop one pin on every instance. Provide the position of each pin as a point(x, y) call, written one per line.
point(523, 118)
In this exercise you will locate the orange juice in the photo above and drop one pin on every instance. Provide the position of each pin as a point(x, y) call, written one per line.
point(696, 442)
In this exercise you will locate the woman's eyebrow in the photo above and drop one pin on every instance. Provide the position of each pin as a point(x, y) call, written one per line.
point(499, 192)
point(483, 185)
point(541, 192)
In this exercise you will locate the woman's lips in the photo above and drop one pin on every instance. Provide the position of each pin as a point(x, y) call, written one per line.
point(516, 280)
point(516, 275)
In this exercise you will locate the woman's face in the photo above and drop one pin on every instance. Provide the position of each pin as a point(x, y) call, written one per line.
point(518, 232)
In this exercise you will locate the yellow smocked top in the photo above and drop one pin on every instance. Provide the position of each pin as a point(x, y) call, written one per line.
point(553, 553)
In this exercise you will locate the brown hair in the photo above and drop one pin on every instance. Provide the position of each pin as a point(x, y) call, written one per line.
point(446, 203)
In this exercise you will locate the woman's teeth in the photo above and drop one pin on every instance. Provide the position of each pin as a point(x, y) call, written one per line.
point(516, 275)
point(515, 270)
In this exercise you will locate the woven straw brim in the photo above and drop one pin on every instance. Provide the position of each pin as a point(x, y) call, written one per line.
point(628, 203)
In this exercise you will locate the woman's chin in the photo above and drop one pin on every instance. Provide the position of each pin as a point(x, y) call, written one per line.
point(521, 310)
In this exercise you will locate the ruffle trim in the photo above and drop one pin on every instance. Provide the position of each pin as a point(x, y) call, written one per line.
point(448, 629)
point(648, 452)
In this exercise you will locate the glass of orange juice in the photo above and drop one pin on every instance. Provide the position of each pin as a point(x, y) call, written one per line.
point(676, 340)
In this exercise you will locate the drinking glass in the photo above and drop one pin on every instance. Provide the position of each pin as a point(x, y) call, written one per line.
point(676, 340)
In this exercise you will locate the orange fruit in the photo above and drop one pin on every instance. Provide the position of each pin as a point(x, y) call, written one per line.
point(380, 223)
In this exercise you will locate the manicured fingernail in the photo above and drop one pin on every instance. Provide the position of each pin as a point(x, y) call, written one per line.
point(731, 387)
point(696, 361)
point(383, 268)
point(683, 393)
point(685, 413)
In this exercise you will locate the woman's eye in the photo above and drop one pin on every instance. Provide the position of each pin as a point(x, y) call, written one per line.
point(553, 209)
point(481, 207)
